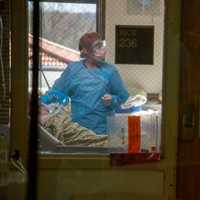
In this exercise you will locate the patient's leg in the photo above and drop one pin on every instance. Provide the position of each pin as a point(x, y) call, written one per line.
point(60, 125)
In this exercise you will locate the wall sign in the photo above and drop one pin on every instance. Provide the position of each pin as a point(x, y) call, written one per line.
point(134, 44)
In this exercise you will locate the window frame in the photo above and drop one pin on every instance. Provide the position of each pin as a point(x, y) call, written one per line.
point(100, 28)
point(19, 125)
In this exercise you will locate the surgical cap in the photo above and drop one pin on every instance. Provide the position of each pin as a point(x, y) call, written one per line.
point(88, 39)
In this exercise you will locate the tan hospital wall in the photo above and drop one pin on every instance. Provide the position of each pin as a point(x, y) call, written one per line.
point(120, 12)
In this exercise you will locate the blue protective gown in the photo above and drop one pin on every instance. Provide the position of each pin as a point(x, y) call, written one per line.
point(86, 87)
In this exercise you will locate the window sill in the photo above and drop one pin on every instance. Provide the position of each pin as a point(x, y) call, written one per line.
point(97, 161)
point(72, 161)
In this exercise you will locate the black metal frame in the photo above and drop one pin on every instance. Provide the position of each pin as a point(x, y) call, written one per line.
point(34, 111)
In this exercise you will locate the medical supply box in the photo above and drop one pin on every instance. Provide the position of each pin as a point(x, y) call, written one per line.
point(135, 132)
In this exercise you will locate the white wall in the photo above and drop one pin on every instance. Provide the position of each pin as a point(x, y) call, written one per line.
point(147, 77)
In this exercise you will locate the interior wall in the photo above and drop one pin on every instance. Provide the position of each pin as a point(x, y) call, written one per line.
point(123, 12)
point(96, 184)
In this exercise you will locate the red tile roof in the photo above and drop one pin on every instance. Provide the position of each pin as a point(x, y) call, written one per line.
point(53, 55)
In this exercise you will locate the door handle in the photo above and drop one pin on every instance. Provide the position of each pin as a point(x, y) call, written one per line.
point(189, 116)
point(187, 132)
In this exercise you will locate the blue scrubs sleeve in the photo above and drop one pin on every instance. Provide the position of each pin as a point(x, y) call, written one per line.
point(118, 90)
point(62, 83)
point(59, 91)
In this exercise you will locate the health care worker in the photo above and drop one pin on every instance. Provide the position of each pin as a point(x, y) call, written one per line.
point(94, 86)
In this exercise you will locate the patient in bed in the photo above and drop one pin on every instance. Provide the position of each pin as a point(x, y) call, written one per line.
point(57, 121)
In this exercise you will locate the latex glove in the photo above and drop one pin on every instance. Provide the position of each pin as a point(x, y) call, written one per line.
point(54, 96)
point(107, 99)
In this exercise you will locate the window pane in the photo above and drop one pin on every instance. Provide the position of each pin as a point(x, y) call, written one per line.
point(134, 32)
point(135, 39)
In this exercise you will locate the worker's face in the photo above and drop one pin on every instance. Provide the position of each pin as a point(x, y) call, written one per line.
point(98, 50)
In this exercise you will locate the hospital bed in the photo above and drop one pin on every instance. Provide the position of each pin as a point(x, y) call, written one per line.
point(151, 124)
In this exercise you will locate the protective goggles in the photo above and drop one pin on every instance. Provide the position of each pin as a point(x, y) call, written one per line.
point(98, 45)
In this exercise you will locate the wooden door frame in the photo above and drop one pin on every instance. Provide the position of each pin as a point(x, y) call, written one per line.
point(19, 127)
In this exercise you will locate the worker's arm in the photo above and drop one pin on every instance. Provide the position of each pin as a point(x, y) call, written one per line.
point(118, 91)
point(59, 91)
